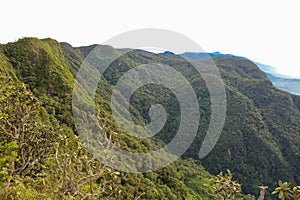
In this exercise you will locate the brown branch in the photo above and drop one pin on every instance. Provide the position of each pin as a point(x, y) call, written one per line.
point(262, 191)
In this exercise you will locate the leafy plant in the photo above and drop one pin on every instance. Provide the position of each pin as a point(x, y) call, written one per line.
point(284, 191)
point(223, 187)
point(18, 125)
point(296, 192)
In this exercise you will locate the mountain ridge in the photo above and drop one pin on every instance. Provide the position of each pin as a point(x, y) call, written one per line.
point(280, 81)
point(259, 143)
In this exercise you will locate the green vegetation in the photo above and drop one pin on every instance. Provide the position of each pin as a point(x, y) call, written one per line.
point(223, 186)
point(284, 191)
point(42, 157)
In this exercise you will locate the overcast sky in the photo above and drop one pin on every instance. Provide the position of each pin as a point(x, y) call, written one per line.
point(264, 31)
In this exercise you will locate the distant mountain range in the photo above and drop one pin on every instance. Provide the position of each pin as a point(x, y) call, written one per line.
point(280, 81)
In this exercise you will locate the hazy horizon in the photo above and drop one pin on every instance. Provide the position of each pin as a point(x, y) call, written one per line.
point(263, 31)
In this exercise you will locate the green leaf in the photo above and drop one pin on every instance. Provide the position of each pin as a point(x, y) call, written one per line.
point(3, 116)
point(284, 185)
point(280, 195)
point(274, 192)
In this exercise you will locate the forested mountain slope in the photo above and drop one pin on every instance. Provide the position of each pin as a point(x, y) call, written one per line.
point(280, 81)
point(259, 143)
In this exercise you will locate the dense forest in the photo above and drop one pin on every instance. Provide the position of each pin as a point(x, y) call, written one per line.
point(43, 157)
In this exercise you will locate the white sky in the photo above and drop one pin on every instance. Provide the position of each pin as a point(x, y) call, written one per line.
point(264, 31)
